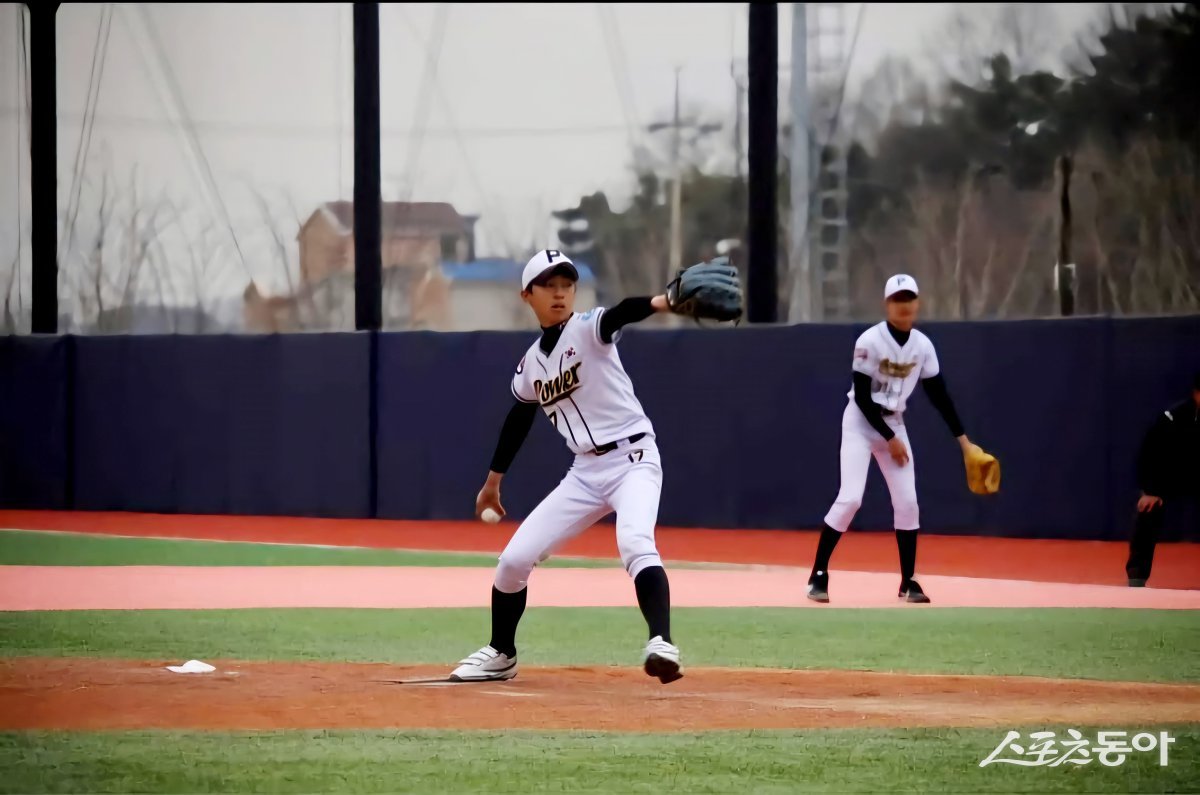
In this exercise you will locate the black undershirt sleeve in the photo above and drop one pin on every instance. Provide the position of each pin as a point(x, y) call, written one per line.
point(869, 408)
point(631, 310)
point(935, 388)
point(1152, 461)
point(512, 434)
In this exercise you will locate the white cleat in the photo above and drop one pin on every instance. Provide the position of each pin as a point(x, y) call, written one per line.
point(485, 665)
point(662, 660)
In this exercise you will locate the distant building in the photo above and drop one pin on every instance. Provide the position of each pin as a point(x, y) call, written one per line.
point(431, 279)
point(413, 298)
point(414, 235)
point(416, 238)
point(486, 295)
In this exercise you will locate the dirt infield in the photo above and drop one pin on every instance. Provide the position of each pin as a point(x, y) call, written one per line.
point(96, 694)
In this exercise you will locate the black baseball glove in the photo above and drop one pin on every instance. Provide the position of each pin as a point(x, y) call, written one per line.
point(710, 290)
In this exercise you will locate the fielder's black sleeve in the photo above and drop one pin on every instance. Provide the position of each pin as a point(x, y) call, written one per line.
point(512, 434)
point(1153, 463)
point(631, 310)
point(869, 408)
point(939, 396)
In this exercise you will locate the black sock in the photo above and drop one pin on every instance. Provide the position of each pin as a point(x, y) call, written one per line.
point(906, 541)
point(506, 614)
point(829, 540)
point(654, 597)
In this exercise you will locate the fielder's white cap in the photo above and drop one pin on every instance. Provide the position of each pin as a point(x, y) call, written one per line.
point(544, 262)
point(898, 284)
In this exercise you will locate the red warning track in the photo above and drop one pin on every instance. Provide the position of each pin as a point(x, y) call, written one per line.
point(1176, 566)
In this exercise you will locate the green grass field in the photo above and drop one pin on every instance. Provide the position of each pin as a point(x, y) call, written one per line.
point(20, 548)
point(840, 760)
point(1129, 645)
point(1132, 645)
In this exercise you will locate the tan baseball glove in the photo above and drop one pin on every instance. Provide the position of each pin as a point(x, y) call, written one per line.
point(983, 470)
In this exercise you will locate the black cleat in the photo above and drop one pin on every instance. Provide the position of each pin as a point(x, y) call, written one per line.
point(662, 660)
point(1137, 582)
point(818, 587)
point(913, 593)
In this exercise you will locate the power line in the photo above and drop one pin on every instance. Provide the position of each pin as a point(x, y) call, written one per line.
point(24, 12)
point(620, 71)
point(18, 29)
point(339, 89)
point(612, 65)
point(310, 131)
point(148, 68)
point(837, 109)
point(95, 80)
point(194, 139)
point(623, 60)
point(472, 173)
point(87, 108)
point(421, 117)
point(25, 58)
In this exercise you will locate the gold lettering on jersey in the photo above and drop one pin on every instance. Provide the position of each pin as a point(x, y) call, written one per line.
point(559, 387)
point(896, 369)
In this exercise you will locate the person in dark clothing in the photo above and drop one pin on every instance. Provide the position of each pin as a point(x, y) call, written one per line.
point(1168, 471)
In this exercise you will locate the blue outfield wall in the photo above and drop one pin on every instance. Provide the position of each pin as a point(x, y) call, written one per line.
point(748, 421)
point(219, 424)
point(33, 422)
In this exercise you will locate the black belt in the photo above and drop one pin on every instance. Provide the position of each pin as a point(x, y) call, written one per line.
point(608, 448)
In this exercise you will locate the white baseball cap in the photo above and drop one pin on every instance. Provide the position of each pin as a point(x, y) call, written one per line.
point(899, 283)
point(545, 261)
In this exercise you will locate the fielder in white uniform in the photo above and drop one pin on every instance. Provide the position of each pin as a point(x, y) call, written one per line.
point(889, 359)
point(573, 372)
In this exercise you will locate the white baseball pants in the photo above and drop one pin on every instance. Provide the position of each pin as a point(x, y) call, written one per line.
point(859, 442)
point(627, 480)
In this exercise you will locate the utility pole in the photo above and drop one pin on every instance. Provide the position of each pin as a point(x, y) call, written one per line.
point(1064, 268)
point(805, 296)
point(675, 169)
point(676, 254)
point(739, 96)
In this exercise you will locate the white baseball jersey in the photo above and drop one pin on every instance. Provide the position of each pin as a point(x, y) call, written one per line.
point(582, 386)
point(894, 369)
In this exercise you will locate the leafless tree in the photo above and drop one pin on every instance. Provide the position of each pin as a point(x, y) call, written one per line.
point(132, 257)
point(105, 274)
point(984, 249)
point(1139, 227)
point(13, 310)
point(980, 248)
point(309, 315)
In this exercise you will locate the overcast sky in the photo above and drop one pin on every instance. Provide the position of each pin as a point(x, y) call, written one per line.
point(523, 113)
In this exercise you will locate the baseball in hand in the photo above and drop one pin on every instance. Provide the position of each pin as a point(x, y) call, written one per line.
point(490, 516)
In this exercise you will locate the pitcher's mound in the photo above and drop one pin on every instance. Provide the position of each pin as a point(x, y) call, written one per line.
point(84, 693)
